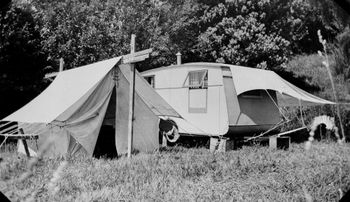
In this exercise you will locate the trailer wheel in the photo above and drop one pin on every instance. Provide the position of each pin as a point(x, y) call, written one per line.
point(168, 129)
point(172, 135)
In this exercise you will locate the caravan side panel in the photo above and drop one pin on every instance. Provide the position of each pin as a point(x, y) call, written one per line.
point(205, 108)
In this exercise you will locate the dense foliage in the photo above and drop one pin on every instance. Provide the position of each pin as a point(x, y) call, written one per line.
point(251, 33)
point(21, 58)
point(87, 31)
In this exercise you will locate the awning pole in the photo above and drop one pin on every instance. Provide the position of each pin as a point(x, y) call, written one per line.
point(301, 113)
point(279, 109)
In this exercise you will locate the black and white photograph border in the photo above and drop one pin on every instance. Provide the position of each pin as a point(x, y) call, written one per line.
point(162, 100)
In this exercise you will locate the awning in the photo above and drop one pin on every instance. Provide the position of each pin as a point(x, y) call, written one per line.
point(247, 79)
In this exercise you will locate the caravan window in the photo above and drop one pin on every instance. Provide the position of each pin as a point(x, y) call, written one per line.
point(150, 80)
point(197, 82)
point(198, 79)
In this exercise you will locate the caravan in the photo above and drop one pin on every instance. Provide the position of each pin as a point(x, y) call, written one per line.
point(226, 100)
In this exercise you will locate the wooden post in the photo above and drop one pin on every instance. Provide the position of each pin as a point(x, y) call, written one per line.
point(24, 141)
point(131, 97)
point(116, 106)
point(61, 65)
point(54, 74)
point(130, 59)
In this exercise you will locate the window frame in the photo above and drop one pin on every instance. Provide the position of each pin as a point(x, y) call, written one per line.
point(153, 85)
point(203, 81)
point(202, 86)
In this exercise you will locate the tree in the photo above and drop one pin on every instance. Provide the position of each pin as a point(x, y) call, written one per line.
point(87, 31)
point(253, 33)
point(237, 33)
point(262, 33)
point(21, 58)
point(183, 27)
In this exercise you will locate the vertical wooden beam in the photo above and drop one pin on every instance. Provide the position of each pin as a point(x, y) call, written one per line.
point(60, 69)
point(116, 104)
point(131, 97)
point(132, 44)
point(61, 65)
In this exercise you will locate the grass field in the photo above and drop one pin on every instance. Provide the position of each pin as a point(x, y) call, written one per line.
point(250, 174)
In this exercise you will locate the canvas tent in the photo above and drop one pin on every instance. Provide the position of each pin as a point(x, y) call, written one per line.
point(74, 107)
point(221, 99)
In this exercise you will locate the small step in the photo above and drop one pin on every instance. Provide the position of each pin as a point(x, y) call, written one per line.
point(223, 144)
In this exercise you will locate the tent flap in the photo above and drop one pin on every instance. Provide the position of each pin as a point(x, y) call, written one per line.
point(145, 125)
point(85, 122)
point(151, 98)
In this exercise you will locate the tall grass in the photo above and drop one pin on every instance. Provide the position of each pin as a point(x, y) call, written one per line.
point(249, 174)
point(327, 65)
point(310, 69)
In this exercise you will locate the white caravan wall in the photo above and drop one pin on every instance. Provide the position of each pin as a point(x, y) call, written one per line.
point(169, 83)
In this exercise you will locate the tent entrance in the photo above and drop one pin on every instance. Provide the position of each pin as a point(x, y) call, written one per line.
point(105, 145)
point(106, 142)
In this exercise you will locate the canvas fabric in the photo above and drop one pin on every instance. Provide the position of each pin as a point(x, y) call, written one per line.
point(151, 98)
point(148, 105)
point(85, 122)
point(247, 79)
point(79, 129)
point(68, 88)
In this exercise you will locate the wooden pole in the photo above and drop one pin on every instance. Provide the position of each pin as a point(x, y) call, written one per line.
point(24, 141)
point(61, 65)
point(131, 97)
point(116, 106)
point(60, 69)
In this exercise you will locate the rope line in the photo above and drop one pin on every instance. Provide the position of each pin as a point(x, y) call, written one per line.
point(264, 133)
point(279, 109)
